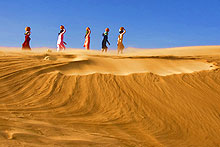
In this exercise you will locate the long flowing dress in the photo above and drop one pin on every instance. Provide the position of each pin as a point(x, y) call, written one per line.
point(120, 42)
point(87, 41)
point(105, 40)
point(26, 45)
point(60, 42)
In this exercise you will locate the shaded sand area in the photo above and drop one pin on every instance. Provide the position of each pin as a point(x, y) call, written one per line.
point(160, 97)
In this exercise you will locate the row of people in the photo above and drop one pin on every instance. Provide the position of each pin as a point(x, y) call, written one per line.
point(61, 44)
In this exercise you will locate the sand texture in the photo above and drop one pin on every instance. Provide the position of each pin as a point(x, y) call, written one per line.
point(143, 98)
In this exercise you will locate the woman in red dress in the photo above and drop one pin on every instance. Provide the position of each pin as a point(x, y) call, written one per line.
point(87, 39)
point(26, 45)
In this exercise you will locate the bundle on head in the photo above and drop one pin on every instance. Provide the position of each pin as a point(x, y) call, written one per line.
point(121, 30)
point(28, 29)
point(87, 29)
point(107, 29)
point(61, 27)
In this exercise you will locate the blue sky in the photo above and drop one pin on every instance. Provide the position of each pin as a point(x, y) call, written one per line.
point(149, 23)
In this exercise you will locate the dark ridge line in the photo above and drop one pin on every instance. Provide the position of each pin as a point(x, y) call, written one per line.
point(150, 57)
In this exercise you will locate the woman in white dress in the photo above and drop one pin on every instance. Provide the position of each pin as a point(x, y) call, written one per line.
point(60, 42)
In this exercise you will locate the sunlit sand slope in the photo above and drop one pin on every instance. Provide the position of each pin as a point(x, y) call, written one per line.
point(77, 99)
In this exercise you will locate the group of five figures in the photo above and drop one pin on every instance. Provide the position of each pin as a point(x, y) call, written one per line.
point(61, 44)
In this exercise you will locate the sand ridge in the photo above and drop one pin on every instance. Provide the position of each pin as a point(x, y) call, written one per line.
point(43, 104)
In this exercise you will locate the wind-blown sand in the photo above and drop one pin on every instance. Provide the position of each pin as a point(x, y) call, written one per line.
point(159, 97)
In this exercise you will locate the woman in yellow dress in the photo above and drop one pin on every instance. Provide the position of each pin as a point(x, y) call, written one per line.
point(120, 45)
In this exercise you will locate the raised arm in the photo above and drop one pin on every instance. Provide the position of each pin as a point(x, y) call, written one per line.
point(124, 32)
point(64, 31)
point(89, 32)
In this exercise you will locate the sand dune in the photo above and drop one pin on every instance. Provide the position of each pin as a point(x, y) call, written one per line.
point(162, 97)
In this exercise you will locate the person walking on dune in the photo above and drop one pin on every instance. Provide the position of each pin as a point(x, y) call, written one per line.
point(120, 45)
point(87, 39)
point(105, 40)
point(60, 42)
point(26, 44)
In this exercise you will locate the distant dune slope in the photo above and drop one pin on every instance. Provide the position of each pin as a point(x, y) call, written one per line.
point(43, 103)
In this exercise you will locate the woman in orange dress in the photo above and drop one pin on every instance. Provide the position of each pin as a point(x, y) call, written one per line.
point(87, 39)
point(26, 44)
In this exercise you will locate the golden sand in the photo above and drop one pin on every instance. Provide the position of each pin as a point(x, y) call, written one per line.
point(160, 97)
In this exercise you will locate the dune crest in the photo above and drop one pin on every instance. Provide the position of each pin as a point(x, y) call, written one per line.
point(93, 99)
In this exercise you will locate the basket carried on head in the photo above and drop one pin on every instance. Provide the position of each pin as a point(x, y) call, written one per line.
point(28, 29)
point(121, 28)
point(61, 27)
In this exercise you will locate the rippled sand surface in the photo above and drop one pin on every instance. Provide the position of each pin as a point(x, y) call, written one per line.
point(160, 97)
